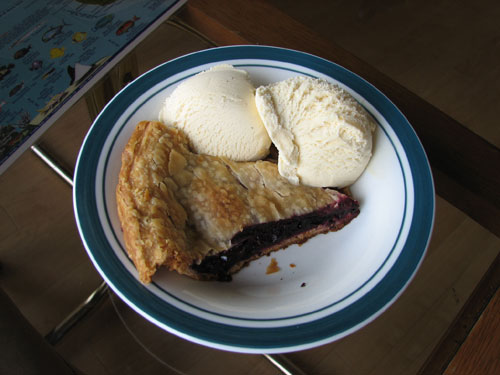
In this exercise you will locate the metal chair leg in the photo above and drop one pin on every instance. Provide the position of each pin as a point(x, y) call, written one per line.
point(58, 332)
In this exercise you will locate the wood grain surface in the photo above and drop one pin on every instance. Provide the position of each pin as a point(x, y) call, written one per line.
point(480, 354)
point(458, 333)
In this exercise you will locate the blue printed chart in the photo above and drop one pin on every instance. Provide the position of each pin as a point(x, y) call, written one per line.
point(52, 52)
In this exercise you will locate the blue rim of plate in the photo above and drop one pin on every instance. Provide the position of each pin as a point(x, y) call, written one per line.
point(231, 337)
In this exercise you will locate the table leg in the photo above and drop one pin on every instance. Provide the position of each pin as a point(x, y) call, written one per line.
point(286, 366)
point(54, 165)
point(58, 332)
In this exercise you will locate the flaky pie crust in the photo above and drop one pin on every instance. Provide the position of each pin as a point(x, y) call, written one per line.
point(176, 207)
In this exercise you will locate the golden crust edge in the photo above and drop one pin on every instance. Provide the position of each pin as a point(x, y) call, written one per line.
point(146, 261)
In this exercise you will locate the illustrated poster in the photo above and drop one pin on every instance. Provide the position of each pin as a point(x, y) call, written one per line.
point(49, 49)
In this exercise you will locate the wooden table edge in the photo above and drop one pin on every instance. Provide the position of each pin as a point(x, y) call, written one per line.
point(458, 332)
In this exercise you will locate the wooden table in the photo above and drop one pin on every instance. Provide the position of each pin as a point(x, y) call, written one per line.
point(447, 321)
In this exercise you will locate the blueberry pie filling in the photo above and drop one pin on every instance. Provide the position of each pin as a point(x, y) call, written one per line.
point(257, 240)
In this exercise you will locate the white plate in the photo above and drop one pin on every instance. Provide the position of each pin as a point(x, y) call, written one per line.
point(340, 282)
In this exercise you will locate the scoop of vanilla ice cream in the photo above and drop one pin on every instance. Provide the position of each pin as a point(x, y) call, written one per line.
point(323, 135)
point(216, 109)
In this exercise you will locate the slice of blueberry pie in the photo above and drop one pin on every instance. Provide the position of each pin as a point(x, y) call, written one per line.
point(206, 217)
